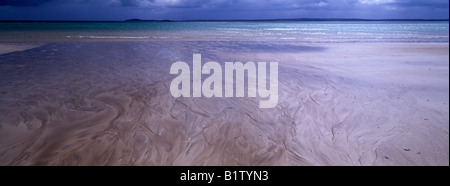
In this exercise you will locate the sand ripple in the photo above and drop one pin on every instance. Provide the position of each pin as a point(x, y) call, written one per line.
point(108, 103)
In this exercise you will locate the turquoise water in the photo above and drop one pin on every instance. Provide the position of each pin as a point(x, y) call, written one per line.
point(333, 31)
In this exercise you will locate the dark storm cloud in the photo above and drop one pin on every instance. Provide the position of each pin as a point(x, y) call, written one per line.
point(22, 2)
point(129, 3)
point(221, 9)
point(423, 3)
point(287, 5)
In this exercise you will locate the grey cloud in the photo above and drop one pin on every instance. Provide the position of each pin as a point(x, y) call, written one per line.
point(23, 2)
point(229, 9)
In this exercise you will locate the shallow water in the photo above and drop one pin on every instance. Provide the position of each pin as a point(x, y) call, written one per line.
point(309, 31)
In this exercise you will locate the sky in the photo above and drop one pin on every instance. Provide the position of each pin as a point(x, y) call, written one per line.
point(110, 10)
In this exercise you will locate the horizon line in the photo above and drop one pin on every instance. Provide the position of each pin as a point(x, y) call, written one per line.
point(229, 20)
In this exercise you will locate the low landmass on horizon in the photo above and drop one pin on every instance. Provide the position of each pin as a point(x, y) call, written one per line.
point(235, 20)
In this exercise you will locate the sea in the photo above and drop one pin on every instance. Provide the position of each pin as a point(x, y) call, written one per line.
point(302, 31)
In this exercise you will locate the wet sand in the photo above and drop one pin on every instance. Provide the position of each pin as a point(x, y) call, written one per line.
point(14, 47)
point(108, 103)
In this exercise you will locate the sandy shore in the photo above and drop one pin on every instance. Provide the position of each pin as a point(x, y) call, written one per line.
point(108, 103)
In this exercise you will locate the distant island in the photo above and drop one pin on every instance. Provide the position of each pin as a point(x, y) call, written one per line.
point(293, 19)
point(140, 20)
point(233, 20)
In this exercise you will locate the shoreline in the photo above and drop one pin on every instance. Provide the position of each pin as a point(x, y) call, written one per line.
point(15, 46)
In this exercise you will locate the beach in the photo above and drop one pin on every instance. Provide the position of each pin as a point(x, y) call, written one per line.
point(107, 102)
point(16, 47)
